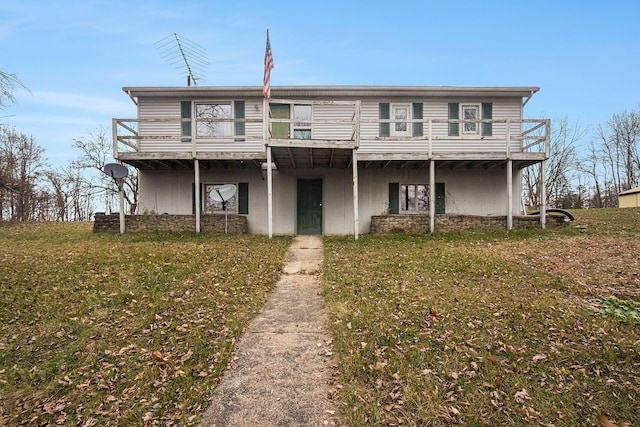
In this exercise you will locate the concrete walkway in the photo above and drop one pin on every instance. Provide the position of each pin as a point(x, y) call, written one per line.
point(282, 370)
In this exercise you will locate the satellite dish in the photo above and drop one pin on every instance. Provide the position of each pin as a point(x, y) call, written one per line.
point(223, 193)
point(115, 170)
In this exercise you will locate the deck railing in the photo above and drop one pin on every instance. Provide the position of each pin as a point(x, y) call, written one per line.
point(528, 135)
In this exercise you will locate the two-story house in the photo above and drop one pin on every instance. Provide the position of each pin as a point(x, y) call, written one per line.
point(326, 159)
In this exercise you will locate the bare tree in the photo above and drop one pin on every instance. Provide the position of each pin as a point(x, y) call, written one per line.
point(8, 85)
point(22, 163)
point(96, 151)
point(561, 168)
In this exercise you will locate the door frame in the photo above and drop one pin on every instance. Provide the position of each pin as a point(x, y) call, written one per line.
point(297, 190)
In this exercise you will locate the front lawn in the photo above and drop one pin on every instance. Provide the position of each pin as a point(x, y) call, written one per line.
point(102, 329)
point(488, 327)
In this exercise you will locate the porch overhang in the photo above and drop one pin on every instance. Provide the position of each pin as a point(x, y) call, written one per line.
point(314, 157)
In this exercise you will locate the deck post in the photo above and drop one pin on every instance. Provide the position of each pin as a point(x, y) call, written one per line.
point(356, 222)
point(509, 194)
point(269, 192)
point(432, 195)
point(196, 169)
point(543, 195)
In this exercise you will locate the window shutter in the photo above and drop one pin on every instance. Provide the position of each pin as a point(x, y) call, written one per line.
point(487, 113)
point(394, 197)
point(185, 113)
point(193, 198)
point(238, 108)
point(384, 114)
point(454, 114)
point(243, 198)
point(417, 115)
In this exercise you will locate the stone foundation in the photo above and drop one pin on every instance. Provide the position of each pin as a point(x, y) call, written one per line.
point(386, 224)
point(237, 224)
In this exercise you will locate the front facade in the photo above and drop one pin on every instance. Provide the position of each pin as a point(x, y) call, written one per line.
point(326, 159)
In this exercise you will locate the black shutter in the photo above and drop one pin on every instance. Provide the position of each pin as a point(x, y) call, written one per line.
point(417, 115)
point(239, 114)
point(384, 114)
point(243, 198)
point(454, 114)
point(487, 113)
point(185, 113)
point(394, 197)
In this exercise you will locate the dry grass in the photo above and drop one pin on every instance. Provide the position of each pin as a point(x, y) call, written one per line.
point(488, 327)
point(122, 330)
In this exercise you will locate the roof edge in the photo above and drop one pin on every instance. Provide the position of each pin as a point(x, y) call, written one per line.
point(344, 91)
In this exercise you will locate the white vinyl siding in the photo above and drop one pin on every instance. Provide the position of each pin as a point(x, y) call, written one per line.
point(169, 133)
point(166, 136)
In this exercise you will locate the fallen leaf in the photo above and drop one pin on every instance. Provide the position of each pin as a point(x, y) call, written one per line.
point(521, 396)
point(605, 421)
point(539, 357)
point(158, 356)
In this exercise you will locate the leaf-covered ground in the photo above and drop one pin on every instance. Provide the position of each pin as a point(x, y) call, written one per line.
point(122, 330)
point(488, 327)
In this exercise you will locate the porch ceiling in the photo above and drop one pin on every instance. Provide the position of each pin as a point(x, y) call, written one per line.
point(311, 158)
point(188, 164)
point(318, 158)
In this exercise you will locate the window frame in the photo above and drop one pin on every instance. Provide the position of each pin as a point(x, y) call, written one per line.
point(227, 126)
point(299, 126)
point(394, 123)
point(210, 206)
point(403, 201)
point(476, 125)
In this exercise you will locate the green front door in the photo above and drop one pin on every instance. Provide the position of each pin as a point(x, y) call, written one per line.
point(309, 206)
point(280, 130)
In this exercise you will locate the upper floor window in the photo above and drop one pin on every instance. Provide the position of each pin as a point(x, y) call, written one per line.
point(301, 129)
point(213, 119)
point(400, 113)
point(470, 112)
point(460, 112)
point(400, 119)
point(206, 115)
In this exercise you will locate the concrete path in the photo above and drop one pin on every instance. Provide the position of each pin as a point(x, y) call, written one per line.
point(282, 371)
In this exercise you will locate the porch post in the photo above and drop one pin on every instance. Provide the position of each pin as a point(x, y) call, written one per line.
point(432, 195)
point(543, 195)
point(122, 217)
point(509, 194)
point(269, 192)
point(196, 168)
point(356, 222)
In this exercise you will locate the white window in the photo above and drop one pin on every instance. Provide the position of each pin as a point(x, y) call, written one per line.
point(470, 112)
point(400, 113)
point(414, 198)
point(301, 129)
point(208, 123)
point(214, 206)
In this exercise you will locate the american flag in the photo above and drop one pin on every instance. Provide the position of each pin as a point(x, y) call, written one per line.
point(268, 66)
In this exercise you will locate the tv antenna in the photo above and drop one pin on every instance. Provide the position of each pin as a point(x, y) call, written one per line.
point(223, 194)
point(185, 55)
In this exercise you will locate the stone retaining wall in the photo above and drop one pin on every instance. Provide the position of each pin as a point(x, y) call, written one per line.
point(111, 223)
point(385, 224)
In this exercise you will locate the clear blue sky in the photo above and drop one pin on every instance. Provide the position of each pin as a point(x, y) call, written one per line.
point(75, 56)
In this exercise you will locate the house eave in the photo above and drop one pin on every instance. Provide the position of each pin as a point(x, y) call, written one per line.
point(347, 92)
